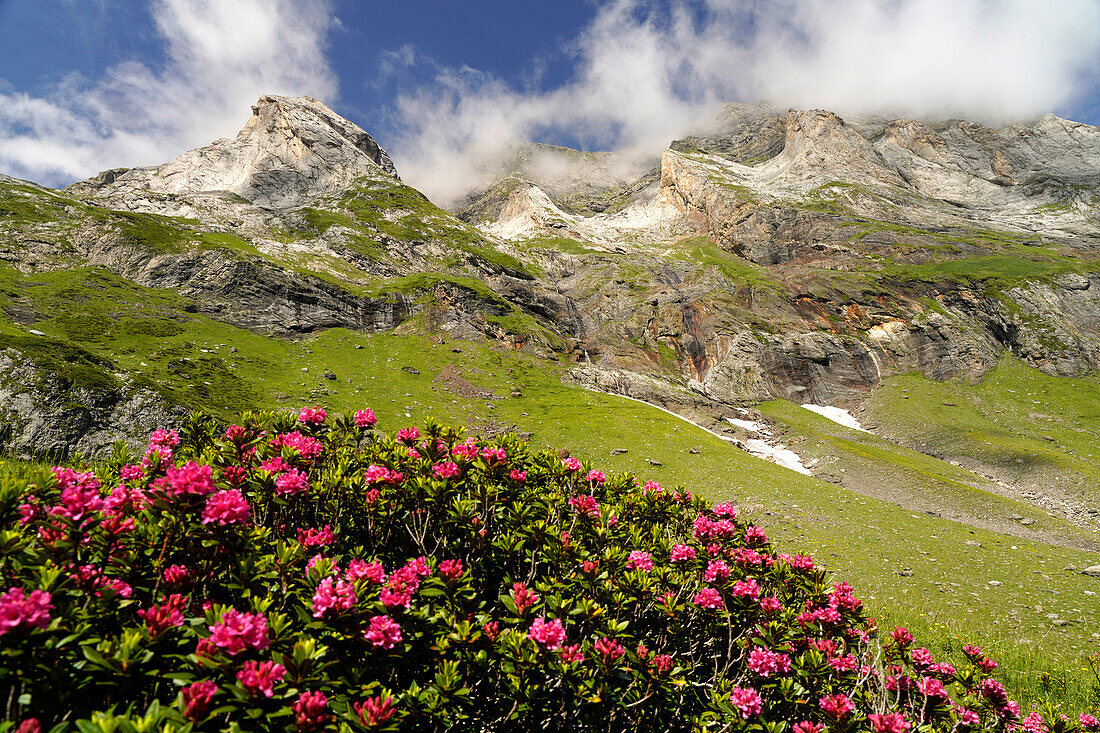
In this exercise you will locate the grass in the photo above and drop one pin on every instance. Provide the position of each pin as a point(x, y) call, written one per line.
point(195, 366)
point(1030, 427)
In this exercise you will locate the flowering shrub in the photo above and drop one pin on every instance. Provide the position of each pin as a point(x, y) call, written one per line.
point(310, 573)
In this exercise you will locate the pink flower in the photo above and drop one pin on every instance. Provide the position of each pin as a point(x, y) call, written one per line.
point(586, 505)
point(889, 723)
point(550, 634)
point(932, 687)
point(311, 415)
point(408, 435)
point(375, 710)
point(1088, 722)
point(1033, 723)
point(292, 482)
point(610, 650)
point(365, 418)
point(747, 701)
point(123, 501)
point(226, 507)
point(311, 711)
point(450, 570)
point(445, 470)
point(260, 677)
point(682, 553)
point(19, 610)
point(640, 560)
point(305, 446)
point(596, 477)
point(572, 465)
point(807, 727)
point(196, 699)
point(922, 657)
point(523, 597)
point(333, 595)
point(770, 605)
point(661, 663)
point(466, 451)
point(727, 511)
point(275, 465)
point(316, 537)
point(755, 536)
point(494, 455)
point(381, 474)
point(765, 662)
point(517, 475)
point(836, 706)
point(131, 472)
point(571, 653)
point(843, 664)
point(384, 632)
point(902, 637)
point(972, 651)
point(80, 495)
point(360, 570)
point(189, 479)
point(162, 617)
point(716, 570)
point(238, 631)
point(709, 598)
point(176, 575)
point(746, 588)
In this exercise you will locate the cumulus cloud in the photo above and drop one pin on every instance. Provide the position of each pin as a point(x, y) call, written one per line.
point(645, 70)
point(220, 57)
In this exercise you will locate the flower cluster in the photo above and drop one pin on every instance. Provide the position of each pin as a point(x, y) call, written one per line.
point(309, 572)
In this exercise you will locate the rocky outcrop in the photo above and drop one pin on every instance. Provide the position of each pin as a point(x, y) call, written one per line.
point(291, 150)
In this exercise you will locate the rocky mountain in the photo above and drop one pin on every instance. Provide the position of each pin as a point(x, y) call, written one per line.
point(792, 255)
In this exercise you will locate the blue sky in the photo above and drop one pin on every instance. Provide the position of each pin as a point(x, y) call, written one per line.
point(91, 84)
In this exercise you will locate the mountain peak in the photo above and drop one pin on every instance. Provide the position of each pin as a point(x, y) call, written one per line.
point(290, 149)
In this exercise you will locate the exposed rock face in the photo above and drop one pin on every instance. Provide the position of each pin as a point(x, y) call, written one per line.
point(289, 151)
point(772, 254)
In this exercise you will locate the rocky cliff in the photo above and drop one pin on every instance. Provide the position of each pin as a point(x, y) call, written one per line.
point(768, 254)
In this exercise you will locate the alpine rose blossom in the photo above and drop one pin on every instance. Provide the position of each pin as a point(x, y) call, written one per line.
point(682, 553)
point(226, 508)
point(292, 482)
point(189, 479)
point(747, 701)
point(384, 632)
point(19, 610)
point(572, 465)
point(836, 706)
point(889, 723)
point(709, 598)
point(640, 560)
point(260, 677)
point(548, 634)
point(196, 699)
point(311, 711)
point(766, 662)
point(238, 631)
point(312, 415)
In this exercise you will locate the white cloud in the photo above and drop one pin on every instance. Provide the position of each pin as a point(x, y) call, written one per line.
point(645, 71)
point(221, 56)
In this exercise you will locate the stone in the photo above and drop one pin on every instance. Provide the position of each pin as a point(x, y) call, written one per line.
point(1093, 570)
point(410, 370)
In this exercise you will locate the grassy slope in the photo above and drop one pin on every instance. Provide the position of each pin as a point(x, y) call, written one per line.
point(861, 539)
point(1029, 426)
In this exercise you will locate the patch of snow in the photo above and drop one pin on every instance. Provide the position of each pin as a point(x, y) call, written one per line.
point(750, 425)
point(837, 415)
point(780, 454)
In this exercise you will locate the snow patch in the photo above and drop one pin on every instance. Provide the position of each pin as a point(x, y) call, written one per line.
point(749, 425)
point(779, 454)
point(837, 415)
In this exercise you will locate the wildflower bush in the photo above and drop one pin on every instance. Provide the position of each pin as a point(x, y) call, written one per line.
point(306, 573)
